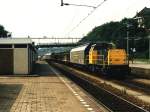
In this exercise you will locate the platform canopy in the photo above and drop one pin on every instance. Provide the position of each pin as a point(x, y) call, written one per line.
point(15, 41)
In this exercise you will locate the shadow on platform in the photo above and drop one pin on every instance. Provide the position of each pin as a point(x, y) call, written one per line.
point(8, 95)
point(43, 69)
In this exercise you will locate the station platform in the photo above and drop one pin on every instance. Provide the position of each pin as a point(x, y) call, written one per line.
point(46, 91)
point(140, 64)
point(141, 69)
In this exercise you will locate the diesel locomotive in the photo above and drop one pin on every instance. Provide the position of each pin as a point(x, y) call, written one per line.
point(102, 57)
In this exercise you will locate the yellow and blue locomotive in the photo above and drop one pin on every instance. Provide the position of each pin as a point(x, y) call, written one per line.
point(100, 57)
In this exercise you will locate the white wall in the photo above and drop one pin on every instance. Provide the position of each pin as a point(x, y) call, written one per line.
point(20, 60)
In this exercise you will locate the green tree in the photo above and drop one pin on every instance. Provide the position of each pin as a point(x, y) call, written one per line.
point(4, 33)
point(116, 32)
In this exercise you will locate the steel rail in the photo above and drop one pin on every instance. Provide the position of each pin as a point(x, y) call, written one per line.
point(110, 100)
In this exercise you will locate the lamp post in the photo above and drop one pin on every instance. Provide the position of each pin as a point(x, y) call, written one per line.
point(128, 25)
point(127, 41)
point(62, 4)
point(149, 47)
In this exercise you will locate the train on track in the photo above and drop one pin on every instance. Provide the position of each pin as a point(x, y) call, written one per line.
point(96, 57)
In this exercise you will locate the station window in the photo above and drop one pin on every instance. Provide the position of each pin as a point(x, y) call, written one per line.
point(20, 46)
point(6, 46)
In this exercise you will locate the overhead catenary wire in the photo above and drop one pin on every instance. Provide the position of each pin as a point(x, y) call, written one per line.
point(79, 5)
point(69, 25)
point(87, 16)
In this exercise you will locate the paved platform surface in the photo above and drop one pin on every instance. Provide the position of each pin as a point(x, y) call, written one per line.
point(139, 64)
point(45, 92)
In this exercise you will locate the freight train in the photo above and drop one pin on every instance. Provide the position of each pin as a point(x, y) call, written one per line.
point(97, 57)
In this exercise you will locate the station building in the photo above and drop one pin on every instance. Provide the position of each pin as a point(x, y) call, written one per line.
point(17, 56)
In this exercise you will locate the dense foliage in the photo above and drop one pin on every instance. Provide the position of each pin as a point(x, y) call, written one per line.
point(116, 32)
point(4, 33)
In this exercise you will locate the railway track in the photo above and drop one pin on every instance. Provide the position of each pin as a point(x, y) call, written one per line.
point(128, 82)
point(112, 101)
point(140, 87)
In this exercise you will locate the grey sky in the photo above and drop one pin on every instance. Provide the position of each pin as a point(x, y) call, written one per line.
point(38, 18)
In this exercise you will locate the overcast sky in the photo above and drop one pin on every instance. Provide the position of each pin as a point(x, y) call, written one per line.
point(38, 18)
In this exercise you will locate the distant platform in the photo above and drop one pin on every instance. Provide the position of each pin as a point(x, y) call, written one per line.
point(139, 64)
point(140, 69)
